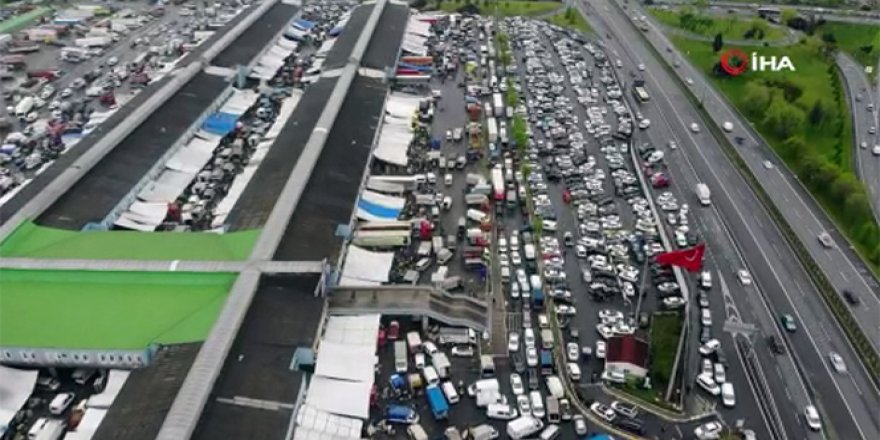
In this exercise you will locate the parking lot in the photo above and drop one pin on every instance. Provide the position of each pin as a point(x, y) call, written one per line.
point(572, 233)
point(64, 77)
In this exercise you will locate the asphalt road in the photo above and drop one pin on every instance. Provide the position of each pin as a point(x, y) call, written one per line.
point(859, 93)
point(842, 266)
point(587, 318)
point(844, 400)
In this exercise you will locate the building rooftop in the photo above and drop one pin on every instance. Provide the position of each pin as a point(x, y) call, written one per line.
point(257, 36)
point(141, 406)
point(257, 388)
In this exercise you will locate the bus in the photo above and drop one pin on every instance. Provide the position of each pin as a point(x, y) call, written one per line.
point(640, 94)
point(498, 183)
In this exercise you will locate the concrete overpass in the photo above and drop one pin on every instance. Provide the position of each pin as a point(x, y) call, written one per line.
point(437, 304)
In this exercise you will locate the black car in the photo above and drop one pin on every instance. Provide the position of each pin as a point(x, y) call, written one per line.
point(705, 334)
point(519, 364)
point(634, 426)
point(851, 298)
point(776, 344)
point(534, 382)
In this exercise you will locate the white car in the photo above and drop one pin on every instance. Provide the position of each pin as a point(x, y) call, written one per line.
point(580, 424)
point(710, 347)
point(672, 145)
point(644, 123)
point(768, 164)
point(673, 302)
point(112, 61)
point(694, 127)
point(708, 431)
point(707, 383)
point(515, 259)
point(727, 126)
point(876, 150)
point(419, 359)
point(826, 240)
point(720, 374)
point(66, 92)
point(641, 67)
point(728, 397)
point(573, 351)
point(522, 401)
point(462, 351)
point(565, 310)
point(707, 367)
point(516, 384)
point(837, 362)
point(690, 81)
point(811, 415)
point(513, 342)
point(744, 277)
point(603, 411)
point(601, 347)
point(532, 357)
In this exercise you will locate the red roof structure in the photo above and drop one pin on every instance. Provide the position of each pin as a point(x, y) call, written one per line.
point(627, 349)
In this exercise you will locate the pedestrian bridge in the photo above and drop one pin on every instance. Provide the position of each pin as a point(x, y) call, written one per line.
point(437, 304)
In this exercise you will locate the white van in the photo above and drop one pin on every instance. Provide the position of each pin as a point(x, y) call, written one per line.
point(60, 403)
point(450, 392)
point(483, 385)
point(447, 179)
point(554, 386)
point(501, 411)
point(505, 274)
point(477, 215)
point(574, 371)
point(535, 282)
point(484, 432)
point(706, 317)
point(431, 376)
point(550, 433)
point(416, 432)
point(727, 395)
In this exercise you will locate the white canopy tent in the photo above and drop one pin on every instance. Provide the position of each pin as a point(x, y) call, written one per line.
point(314, 424)
point(351, 362)
point(15, 389)
point(360, 329)
point(341, 397)
point(366, 268)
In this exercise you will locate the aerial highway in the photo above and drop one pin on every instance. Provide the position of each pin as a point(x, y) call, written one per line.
point(841, 265)
point(859, 93)
point(784, 285)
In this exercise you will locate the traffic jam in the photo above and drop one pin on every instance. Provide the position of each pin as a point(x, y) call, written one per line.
point(572, 223)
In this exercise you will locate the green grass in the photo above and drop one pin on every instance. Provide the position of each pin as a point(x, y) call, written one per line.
point(732, 28)
point(21, 21)
point(34, 241)
point(108, 310)
point(854, 38)
point(665, 332)
point(502, 8)
point(571, 20)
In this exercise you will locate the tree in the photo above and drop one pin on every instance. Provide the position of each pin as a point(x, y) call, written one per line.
point(718, 43)
point(569, 13)
point(817, 113)
point(829, 38)
point(784, 119)
point(757, 98)
point(787, 15)
point(794, 147)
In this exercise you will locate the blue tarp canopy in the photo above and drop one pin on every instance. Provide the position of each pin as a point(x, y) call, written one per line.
point(220, 124)
point(414, 67)
point(378, 210)
point(303, 24)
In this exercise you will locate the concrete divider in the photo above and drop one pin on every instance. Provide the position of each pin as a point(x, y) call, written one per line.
point(105, 145)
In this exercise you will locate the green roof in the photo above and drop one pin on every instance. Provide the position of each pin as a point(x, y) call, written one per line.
point(108, 310)
point(35, 241)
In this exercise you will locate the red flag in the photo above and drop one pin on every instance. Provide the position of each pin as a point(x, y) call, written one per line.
point(690, 259)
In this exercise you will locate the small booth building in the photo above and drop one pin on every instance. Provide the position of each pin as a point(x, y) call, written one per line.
point(627, 355)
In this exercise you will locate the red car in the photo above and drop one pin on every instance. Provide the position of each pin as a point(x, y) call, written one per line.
point(660, 180)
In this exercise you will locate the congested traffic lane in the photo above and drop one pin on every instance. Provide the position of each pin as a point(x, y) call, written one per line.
point(843, 399)
point(746, 405)
point(587, 324)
